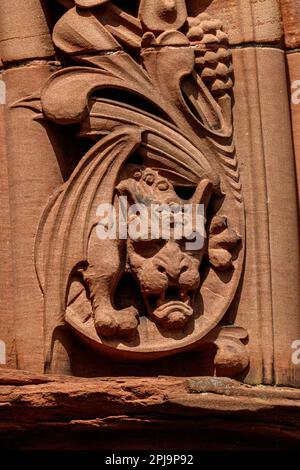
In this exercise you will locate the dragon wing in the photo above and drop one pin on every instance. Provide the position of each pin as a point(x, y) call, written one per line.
point(67, 221)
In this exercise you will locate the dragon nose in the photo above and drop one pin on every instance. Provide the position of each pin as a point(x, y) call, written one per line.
point(171, 271)
point(170, 262)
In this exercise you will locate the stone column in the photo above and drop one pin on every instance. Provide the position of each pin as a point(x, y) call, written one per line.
point(291, 23)
point(270, 295)
point(268, 305)
point(33, 170)
point(7, 335)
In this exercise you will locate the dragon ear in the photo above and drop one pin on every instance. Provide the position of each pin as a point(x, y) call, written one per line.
point(203, 193)
point(128, 188)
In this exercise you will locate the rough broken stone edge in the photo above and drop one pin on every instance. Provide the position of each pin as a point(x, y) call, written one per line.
point(30, 401)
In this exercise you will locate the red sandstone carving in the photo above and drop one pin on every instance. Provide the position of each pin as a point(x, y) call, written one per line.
point(147, 87)
point(174, 116)
point(150, 85)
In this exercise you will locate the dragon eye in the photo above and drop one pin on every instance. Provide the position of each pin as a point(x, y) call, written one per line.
point(137, 175)
point(149, 179)
point(163, 186)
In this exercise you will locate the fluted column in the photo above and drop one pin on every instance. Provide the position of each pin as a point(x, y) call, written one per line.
point(33, 171)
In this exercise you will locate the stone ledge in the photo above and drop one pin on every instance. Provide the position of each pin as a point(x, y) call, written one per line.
point(38, 402)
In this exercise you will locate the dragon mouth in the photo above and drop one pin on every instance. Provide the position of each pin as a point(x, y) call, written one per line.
point(172, 308)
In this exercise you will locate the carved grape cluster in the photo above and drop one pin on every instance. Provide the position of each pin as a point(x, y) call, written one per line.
point(213, 56)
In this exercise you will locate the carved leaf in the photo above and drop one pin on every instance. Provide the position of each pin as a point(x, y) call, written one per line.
point(117, 71)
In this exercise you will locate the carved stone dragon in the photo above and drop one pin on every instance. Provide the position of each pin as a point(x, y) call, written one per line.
point(153, 87)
